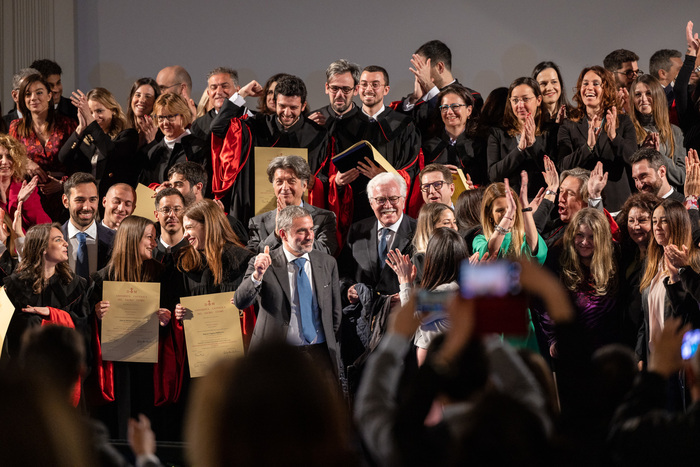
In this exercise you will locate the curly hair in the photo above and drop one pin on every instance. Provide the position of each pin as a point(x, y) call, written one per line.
point(608, 99)
point(18, 153)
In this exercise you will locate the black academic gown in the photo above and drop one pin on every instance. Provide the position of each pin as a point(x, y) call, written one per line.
point(118, 161)
point(233, 154)
point(69, 297)
point(439, 150)
point(392, 134)
point(160, 158)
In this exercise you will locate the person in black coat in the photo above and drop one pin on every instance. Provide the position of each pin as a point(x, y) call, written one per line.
point(102, 145)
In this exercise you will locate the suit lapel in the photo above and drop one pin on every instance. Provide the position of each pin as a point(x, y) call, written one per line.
point(582, 127)
point(269, 221)
point(279, 268)
point(372, 246)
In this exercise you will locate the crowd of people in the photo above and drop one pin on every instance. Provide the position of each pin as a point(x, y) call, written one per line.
point(594, 203)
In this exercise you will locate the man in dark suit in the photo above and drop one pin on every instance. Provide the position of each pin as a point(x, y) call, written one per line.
point(289, 176)
point(170, 208)
point(297, 292)
point(389, 229)
point(89, 242)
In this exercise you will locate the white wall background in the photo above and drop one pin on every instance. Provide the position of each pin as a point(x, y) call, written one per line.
point(118, 41)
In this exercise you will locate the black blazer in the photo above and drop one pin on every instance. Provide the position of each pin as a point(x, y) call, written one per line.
point(262, 231)
point(160, 159)
point(117, 162)
point(615, 155)
point(359, 261)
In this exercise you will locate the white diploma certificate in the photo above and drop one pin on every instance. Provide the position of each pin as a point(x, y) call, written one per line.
point(7, 309)
point(130, 326)
point(212, 330)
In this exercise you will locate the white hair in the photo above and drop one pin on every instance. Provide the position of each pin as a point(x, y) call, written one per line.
point(385, 178)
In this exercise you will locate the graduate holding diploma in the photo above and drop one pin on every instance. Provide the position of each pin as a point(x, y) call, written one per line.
point(126, 388)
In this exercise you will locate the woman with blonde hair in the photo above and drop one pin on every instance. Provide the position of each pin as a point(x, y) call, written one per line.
point(126, 388)
point(103, 144)
point(430, 217)
point(653, 128)
point(589, 271)
point(173, 116)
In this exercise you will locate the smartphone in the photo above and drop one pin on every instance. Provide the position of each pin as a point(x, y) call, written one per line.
point(691, 339)
point(432, 302)
point(501, 306)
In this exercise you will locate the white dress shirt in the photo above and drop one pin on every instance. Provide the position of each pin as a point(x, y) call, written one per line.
point(74, 244)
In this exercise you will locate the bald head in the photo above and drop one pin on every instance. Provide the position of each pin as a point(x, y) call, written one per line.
point(175, 79)
point(119, 202)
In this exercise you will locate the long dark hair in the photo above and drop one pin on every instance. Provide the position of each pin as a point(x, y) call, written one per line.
point(608, 100)
point(31, 267)
point(130, 117)
point(539, 68)
point(25, 126)
point(445, 252)
point(510, 121)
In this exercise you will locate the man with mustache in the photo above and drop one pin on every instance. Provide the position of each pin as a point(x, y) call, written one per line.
point(649, 174)
point(89, 242)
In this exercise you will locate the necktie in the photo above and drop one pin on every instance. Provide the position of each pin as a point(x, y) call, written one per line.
point(382, 247)
point(305, 301)
point(82, 266)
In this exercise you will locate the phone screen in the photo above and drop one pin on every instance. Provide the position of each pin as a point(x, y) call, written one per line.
point(691, 339)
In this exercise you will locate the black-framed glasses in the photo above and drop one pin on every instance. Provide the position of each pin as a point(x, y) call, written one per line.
point(170, 118)
point(631, 74)
point(344, 89)
point(383, 199)
point(454, 107)
point(167, 210)
point(437, 186)
point(165, 88)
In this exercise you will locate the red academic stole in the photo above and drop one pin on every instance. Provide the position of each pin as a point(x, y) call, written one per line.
point(226, 169)
point(104, 371)
point(61, 318)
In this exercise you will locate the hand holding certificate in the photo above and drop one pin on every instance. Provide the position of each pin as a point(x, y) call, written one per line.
point(130, 328)
point(212, 330)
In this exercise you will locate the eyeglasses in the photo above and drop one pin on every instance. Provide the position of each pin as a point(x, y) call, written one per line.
point(524, 100)
point(392, 199)
point(345, 89)
point(454, 107)
point(170, 118)
point(437, 186)
point(631, 74)
point(374, 85)
point(167, 210)
point(165, 88)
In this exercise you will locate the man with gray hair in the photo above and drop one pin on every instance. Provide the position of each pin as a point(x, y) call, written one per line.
point(342, 79)
point(17, 78)
point(297, 291)
point(222, 83)
point(289, 176)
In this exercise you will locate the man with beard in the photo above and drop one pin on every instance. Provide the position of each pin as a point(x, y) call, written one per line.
point(649, 174)
point(170, 207)
point(392, 134)
point(118, 203)
point(289, 306)
point(89, 242)
point(234, 140)
point(342, 79)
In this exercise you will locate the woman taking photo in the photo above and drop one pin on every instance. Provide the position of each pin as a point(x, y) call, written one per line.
point(43, 132)
point(142, 96)
point(520, 145)
point(653, 129)
point(555, 106)
point(451, 140)
point(43, 288)
point(590, 273)
point(131, 387)
point(595, 131)
point(635, 232)
point(103, 144)
point(14, 189)
point(178, 144)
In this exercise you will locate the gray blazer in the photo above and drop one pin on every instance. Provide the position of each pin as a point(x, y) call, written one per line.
point(262, 231)
point(273, 298)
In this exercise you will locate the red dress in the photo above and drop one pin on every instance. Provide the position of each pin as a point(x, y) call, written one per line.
point(47, 155)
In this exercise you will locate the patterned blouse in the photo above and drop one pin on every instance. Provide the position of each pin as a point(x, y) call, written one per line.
point(47, 156)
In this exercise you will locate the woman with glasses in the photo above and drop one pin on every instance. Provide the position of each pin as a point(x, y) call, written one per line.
point(520, 144)
point(178, 145)
point(103, 144)
point(451, 138)
point(653, 128)
point(597, 131)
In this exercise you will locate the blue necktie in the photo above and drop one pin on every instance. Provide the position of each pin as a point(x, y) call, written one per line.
point(305, 301)
point(82, 266)
point(382, 247)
